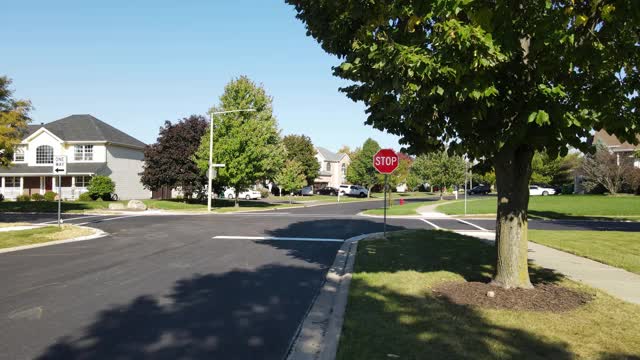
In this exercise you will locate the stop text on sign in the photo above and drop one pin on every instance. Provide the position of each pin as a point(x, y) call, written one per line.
point(385, 161)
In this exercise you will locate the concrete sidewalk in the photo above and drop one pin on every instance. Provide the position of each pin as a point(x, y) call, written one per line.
point(429, 211)
point(615, 281)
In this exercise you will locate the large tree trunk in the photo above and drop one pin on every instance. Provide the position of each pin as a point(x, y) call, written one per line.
point(513, 171)
point(236, 200)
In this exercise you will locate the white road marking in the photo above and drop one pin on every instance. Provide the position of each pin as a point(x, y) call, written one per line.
point(432, 224)
point(471, 224)
point(278, 238)
point(109, 219)
point(71, 219)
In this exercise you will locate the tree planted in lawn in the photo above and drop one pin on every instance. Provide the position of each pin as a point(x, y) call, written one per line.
point(291, 177)
point(495, 80)
point(439, 168)
point(169, 162)
point(300, 148)
point(606, 169)
point(248, 143)
point(14, 116)
point(361, 170)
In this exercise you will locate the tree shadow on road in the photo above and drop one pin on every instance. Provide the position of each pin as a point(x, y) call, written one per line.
point(236, 315)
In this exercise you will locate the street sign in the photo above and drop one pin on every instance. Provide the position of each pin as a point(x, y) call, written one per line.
point(60, 165)
point(385, 161)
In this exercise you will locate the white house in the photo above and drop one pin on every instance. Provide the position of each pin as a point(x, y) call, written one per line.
point(333, 168)
point(623, 150)
point(92, 147)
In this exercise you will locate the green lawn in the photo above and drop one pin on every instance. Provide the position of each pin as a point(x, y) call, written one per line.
point(409, 208)
point(559, 207)
point(615, 248)
point(52, 206)
point(40, 235)
point(392, 312)
point(219, 205)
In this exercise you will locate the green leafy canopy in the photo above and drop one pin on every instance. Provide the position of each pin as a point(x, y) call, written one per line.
point(480, 75)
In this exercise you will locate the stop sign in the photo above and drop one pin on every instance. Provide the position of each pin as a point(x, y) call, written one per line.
point(385, 161)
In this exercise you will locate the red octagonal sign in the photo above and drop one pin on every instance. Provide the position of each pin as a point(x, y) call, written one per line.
point(385, 161)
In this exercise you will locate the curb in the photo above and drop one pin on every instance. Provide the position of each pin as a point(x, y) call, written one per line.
point(97, 234)
point(318, 336)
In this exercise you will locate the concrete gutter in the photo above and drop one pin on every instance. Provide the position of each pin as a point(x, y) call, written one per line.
point(318, 336)
point(96, 235)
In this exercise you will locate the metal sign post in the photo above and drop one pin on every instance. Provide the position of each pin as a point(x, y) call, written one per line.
point(59, 168)
point(384, 228)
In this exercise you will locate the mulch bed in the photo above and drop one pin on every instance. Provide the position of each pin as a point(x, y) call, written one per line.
point(543, 297)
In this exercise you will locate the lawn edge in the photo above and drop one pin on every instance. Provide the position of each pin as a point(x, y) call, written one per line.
point(318, 334)
point(97, 233)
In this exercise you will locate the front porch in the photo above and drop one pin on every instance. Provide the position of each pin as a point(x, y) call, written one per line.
point(71, 186)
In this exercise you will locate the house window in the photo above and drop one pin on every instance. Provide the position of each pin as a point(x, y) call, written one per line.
point(18, 154)
point(83, 153)
point(328, 166)
point(344, 169)
point(44, 154)
point(12, 182)
point(82, 181)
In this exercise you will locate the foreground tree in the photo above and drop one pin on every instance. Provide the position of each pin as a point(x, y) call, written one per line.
point(248, 143)
point(291, 177)
point(301, 149)
point(361, 170)
point(495, 80)
point(169, 162)
point(14, 116)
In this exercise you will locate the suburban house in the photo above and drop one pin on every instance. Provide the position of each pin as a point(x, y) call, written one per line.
point(92, 147)
point(333, 168)
point(624, 151)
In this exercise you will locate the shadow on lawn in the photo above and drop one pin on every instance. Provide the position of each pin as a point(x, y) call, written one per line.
point(537, 214)
point(382, 320)
point(45, 206)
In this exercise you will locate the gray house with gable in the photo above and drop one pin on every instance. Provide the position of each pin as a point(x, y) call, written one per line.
point(92, 147)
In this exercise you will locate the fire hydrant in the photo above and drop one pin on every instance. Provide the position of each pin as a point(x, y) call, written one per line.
point(401, 201)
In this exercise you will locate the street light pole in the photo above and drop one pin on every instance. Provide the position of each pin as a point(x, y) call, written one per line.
point(211, 151)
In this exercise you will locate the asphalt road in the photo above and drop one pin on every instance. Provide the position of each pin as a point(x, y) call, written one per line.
point(186, 287)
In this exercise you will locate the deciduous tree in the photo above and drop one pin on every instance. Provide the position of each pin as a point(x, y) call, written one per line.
point(248, 143)
point(361, 170)
point(301, 149)
point(14, 117)
point(291, 177)
point(170, 161)
point(493, 80)
point(438, 168)
point(604, 168)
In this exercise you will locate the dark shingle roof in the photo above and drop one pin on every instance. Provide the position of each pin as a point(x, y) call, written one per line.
point(86, 128)
point(72, 168)
point(328, 155)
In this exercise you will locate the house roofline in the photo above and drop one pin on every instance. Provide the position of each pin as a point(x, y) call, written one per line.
point(37, 133)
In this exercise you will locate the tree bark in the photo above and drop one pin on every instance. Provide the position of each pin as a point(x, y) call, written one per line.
point(513, 171)
point(369, 191)
point(236, 200)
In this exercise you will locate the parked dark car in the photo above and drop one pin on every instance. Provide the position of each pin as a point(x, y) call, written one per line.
point(328, 191)
point(480, 189)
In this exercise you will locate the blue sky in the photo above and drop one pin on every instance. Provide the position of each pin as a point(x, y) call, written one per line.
point(135, 64)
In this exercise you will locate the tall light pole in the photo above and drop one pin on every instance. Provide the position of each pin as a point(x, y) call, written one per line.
point(211, 165)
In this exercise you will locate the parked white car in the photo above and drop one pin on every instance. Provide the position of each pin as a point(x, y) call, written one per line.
point(540, 191)
point(230, 193)
point(353, 190)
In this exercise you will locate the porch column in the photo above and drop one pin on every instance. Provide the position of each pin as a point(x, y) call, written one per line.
point(73, 188)
point(21, 185)
point(54, 179)
point(42, 184)
point(2, 185)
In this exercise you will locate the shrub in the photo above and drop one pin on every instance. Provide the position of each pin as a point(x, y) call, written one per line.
point(101, 187)
point(1, 197)
point(23, 198)
point(85, 197)
point(50, 196)
point(265, 193)
point(37, 197)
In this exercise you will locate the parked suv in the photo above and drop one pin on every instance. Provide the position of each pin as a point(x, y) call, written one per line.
point(480, 189)
point(353, 190)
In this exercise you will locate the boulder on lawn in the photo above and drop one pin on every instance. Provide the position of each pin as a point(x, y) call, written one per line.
point(116, 206)
point(136, 205)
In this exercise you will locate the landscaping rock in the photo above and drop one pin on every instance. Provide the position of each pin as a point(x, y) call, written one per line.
point(116, 206)
point(136, 205)
point(491, 294)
